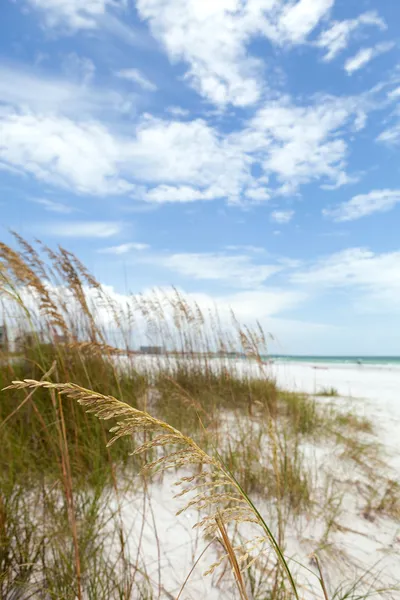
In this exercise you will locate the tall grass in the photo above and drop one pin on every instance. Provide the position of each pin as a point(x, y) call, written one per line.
point(241, 442)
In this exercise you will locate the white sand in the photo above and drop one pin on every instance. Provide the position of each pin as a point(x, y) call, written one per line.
point(367, 390)
point(372, 391)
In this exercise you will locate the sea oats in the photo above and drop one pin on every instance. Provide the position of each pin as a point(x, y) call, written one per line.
point(229, 506)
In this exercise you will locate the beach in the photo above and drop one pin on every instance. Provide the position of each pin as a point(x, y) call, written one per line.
point(373, 391)
point(362, 542)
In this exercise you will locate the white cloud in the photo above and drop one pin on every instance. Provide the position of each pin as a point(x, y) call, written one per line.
point(53, 132)
point(335, 39)
point(341, 180)
point(238, 270)
point(364, 204)
point(82, 229)
point(52, 206)
point(375, 276)
point(183, 161)
point(30, 90)
point(246, 248)
point(282, 216)
point(79, 68)
point(212, 37)
point(258, 193)
point(184, 193)
point(298, 20)
point(394, 94)
point(365, 55)
point(301, 143)
point(191, 160)
point(178, 111)
point(81, 156)
point(390, 135)
point(262, 305)
point(251, 305)
point(124, 248)
point(136, 76)
point(73, 14)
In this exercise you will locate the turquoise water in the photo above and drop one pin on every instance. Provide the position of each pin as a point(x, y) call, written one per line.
point(367, 360)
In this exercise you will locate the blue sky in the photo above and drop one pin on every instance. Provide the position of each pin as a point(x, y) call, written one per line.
point(246, 151)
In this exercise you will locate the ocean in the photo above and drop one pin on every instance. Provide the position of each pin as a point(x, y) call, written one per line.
point(360, 360)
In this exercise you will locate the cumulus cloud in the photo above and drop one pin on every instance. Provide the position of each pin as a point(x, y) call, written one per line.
point(363, 205)
point(54, 131)
point(337, 37)
point(88, 158)
point(298, 20)
point(81, 156)
point(301, 143)
point(184, 161)
point(212, 37)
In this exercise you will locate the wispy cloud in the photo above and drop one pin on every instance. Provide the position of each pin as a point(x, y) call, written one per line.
point(124, 248)
point(79, 68)
point(82, 229)
point(52, 206)
point(135, 76)
point(390, 136)
point(28, 88)
point(282, 216)
point(238, 271)
point(178, 111)
point(374, 274)
point(72, 14)
point(394, 94)
point(246, 248)
point(365, 55)
point(335, 39)
point(363, 205)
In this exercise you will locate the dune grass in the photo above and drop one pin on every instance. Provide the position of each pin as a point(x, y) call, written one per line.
point(240, 441)
point(328, 392)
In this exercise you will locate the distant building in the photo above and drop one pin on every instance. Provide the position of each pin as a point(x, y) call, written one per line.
point(3, 338)
point(152, 350)
point(224, 354)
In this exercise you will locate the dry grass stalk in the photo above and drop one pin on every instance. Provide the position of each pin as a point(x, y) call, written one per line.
point(230, 505)
point(232, 558)
point(321, 577)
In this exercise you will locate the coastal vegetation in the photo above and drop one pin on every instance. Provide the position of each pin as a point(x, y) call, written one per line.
point(265, 478)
